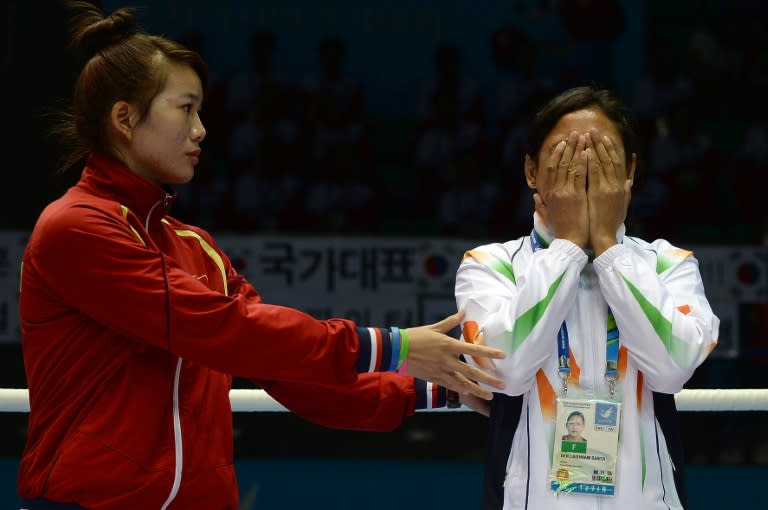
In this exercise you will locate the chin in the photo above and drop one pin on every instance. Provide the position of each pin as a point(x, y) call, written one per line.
point(180, 178)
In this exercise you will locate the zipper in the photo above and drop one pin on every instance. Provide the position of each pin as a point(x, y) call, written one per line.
point(164, 201)
point(177, 440)
point(596, 332)
point(599, 331)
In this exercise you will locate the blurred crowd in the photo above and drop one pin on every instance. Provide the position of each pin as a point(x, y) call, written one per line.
point(309, 157)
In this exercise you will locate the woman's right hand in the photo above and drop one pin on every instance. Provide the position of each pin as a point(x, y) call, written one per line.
point(561, 196)
point(434, 356)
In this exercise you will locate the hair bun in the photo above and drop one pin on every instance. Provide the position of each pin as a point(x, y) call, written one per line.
point(96, 32)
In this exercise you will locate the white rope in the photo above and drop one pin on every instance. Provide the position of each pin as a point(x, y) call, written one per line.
point(17, 401)
point(723, 400)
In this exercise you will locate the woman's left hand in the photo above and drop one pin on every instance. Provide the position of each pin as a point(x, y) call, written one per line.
point(608, 191)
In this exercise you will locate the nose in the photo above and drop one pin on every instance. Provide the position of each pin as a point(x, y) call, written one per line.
point(198, 130)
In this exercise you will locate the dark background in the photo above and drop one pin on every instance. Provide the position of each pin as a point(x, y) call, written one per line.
point(415, 129)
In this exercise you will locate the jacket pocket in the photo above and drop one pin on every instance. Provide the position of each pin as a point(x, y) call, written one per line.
point(97, 476)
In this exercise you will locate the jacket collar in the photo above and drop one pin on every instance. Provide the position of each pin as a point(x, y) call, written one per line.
point(109, 178)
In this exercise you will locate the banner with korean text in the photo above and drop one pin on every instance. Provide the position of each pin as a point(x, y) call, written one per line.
point(383, 281)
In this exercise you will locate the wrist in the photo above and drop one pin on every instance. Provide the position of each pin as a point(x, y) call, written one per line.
point(428, 395)
point(578, 239)
point(601, 244)
point(582, 245)
point(452, 400)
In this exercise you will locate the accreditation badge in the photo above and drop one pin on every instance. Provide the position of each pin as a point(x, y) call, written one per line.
point(586, 446)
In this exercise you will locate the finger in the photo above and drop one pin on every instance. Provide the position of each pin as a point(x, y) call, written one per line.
point(590, 140)
point(448, 323)
point(482, 351)
point(473, 335)
point(476, 404)
point(471, 388)
point(458, 382)
point(610, 159)
point(570, 177)
point(565, 160)
point(580, 144)
point(578, 167)
point(552, 168)
point(472, 374)
point(580, 175)
point(570, 147)
point(606, 163)
point(594, 138)
point(594, 171)
point(612, 150)
point(598, 164)
point(463, 381)
point(485, 363)
point(612, 153)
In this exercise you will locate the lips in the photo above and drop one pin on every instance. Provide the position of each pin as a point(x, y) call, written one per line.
point(194, 156)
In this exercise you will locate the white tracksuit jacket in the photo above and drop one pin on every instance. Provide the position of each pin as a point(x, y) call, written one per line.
point(518, 299)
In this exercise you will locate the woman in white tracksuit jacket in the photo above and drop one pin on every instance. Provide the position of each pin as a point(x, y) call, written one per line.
point(574, 267)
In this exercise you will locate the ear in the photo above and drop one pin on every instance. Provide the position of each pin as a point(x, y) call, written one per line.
point(632, 168)
point(530, 171)
point(123, 118)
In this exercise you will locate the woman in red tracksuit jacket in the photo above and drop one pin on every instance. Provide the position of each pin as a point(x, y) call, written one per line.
point(134, 323)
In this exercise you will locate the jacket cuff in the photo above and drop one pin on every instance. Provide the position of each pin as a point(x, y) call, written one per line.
point(428, 395)
point(605, 262)
point(375, 351)
point(571, 250)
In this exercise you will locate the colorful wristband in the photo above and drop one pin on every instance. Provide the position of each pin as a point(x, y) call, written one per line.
point(394, 362)
point(404, 344)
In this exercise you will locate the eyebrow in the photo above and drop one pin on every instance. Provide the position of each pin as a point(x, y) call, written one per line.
point(191, 95)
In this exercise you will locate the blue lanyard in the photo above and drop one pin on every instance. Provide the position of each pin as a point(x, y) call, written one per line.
point(563, 348)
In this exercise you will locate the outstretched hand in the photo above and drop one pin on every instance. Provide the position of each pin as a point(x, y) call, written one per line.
point(435, 357)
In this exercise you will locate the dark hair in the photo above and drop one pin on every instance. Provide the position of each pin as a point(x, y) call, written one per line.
point(579, 98)
point(576, 413)
point(121, 62)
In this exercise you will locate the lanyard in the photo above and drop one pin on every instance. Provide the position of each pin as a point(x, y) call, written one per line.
point(563, 348)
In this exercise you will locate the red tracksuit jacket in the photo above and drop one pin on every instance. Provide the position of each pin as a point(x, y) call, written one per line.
point(133, 325)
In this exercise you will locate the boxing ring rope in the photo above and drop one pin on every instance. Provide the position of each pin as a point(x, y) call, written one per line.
point(14, 400)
